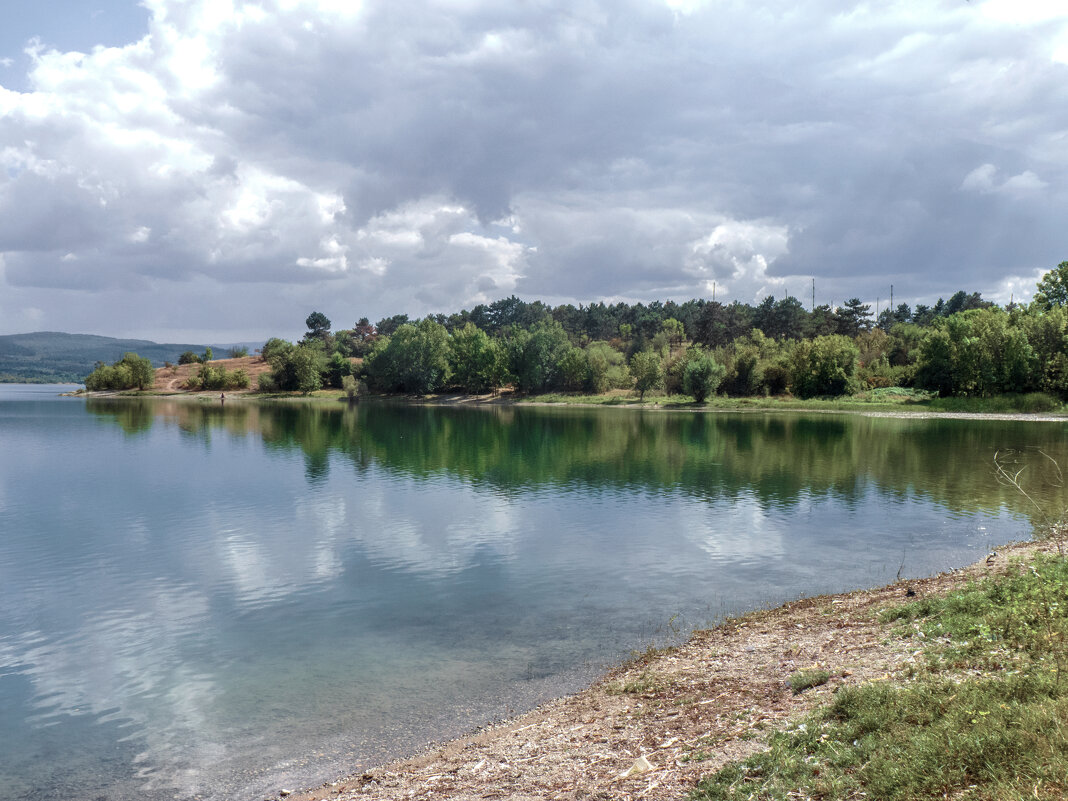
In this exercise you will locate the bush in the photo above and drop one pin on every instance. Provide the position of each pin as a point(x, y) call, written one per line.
point(210, 377)
point(824, 366)
point(129, 372)
point(702, 375)
point(189, 358)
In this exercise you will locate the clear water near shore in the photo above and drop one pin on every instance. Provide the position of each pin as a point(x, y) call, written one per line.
point(212, 602)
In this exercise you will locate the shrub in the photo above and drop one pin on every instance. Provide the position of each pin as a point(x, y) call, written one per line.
point(824, 366)
point(129, 372)
point(212, 377)
point(702, 375)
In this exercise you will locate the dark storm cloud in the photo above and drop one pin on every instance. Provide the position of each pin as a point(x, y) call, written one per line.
point(424, 156)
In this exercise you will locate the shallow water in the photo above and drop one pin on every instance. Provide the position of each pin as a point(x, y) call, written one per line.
point(207, 601)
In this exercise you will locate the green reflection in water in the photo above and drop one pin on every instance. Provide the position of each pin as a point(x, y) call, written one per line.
point(778, 458)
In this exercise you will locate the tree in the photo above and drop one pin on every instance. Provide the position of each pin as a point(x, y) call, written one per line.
point(318, 326)
point(388, 325)
point(674, 330)
point(295, 368)
point(606, 368)
point(702, 374)
point(476, 360)
point(821, 321)
point(128, 372)
point(188, 357)
point(534, 355)
point(1053, 288)
point(853, 317)
point(337, 369)
point(824, 366)
point(415, 359)
point(646, 371)
point(978, 352)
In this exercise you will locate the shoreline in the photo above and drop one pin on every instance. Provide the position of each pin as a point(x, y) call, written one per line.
point(738, 406)
point(652, 727)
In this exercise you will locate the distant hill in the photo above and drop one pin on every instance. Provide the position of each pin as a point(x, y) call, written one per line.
point(54, 357)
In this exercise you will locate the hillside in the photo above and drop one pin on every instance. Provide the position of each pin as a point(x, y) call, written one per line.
point(173, 379)
point(56, 357)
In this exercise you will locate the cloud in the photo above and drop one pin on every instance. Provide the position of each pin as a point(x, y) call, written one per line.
point(984, 180)
point(425, 156)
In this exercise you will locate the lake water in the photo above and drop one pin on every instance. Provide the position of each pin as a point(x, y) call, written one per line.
point(199, 601)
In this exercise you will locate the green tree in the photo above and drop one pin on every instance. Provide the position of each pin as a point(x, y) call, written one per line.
point(318, 326)
point(674, 330)
point(476, 360)
point(853, 317)
point(824, 366)
point(188, 357)
point(535, 354)
point(1053, 288)
point(978, 352)
point(646, 370)
point(573, 370)
point(702, 374)
point(387, 326)
point(337, 368)
point(753, 366)
point(216, 377)
point(127, 373)
point(273, 348)
point(414, 359)
point(295, 368)
point(606, 368)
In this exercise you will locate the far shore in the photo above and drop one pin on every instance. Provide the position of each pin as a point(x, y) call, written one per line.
point(619, 401)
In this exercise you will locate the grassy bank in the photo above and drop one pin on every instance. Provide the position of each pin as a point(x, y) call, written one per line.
point(891, 398)
point(981, 714)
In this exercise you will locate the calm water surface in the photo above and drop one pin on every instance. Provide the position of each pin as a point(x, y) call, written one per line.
point(209, 602)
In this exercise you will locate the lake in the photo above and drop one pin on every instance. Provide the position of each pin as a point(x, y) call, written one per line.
point(208, 601)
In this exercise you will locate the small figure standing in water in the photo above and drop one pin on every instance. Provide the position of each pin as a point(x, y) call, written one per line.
point(222, 397)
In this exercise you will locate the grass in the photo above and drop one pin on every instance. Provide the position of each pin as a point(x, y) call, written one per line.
point(806, 679)
point(1027, 403)
point(895, 398)
point(984, 716)
point(646, 683)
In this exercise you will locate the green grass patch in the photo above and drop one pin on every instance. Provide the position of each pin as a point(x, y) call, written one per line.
point(646, 683)
point(1014, 403)
point(985, 718)
point(806, 679)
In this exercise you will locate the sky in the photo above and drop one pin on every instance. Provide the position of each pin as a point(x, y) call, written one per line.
point(215, 170)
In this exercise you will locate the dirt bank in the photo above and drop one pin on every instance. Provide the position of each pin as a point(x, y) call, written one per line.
point(171, 380)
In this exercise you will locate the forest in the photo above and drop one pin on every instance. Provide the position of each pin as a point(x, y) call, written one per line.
point(964, 346)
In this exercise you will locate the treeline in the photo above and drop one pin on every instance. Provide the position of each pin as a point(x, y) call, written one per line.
point(965, 346)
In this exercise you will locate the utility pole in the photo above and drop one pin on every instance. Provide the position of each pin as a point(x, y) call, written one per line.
point(813, 294)
point(891, 297)
point(713, 291)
